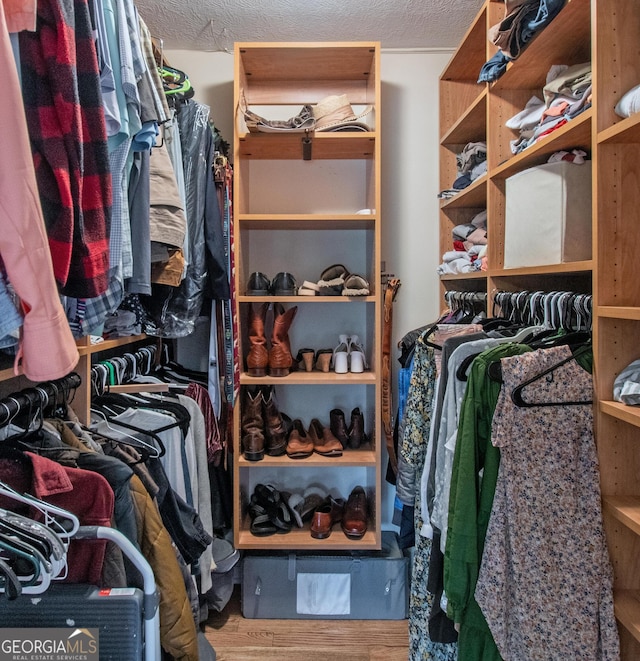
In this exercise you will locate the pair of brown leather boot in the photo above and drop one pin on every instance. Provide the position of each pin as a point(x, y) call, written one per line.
point(264, 428)
point(278, 359)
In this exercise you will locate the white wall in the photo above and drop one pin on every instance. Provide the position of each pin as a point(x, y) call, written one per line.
point(409, 165)
point(409, 172)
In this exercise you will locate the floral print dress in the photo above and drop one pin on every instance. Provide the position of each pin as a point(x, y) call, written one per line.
point(545, 583)
point(413, 448)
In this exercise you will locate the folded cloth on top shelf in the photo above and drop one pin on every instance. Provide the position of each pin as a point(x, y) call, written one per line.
point(629, 102)
point(493, 68)
point(572, 82)
point(626, 387)
point(333, 113)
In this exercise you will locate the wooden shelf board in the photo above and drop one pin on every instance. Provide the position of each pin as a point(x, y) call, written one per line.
point(626, 604)
point(307, 299)
point(300, 539)
point(618, 312)
point(85, 349)
point(567, 40)
point(624, 412)
point(576, 133)
point(626, 130)
point(625, 509)
point(348, 458)
point(308, 221)
point(334, 146)
point(465, 63)
point(545, 269)
point(477, 275)
point(311, 378)
point(308, 61)
point(474, 195)
point(471, 126)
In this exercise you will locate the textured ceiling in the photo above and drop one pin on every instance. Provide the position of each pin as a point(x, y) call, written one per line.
point(214, 25)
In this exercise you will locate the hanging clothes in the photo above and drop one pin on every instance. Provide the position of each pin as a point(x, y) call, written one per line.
point(413, 451)
point(23, 245)
point(63, 104)
point(545, 583)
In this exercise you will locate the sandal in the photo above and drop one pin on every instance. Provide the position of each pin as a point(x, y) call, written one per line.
point(268, 497)
point(332, 279)
point(260, 526)
point(355, 285)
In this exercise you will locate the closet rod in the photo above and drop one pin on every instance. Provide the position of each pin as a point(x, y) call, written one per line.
point(37, 397)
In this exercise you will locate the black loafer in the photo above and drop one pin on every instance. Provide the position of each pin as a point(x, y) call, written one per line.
point(258, 284)
point(284, 284)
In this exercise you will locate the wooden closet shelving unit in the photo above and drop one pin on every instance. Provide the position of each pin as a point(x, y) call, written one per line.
point(300, 216)
point(607, 33)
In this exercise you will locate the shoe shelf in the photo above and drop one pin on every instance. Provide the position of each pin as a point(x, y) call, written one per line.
point(349, 458)
point(296, 195)
point(300, 538)
point(311, 378)
point(306, 299)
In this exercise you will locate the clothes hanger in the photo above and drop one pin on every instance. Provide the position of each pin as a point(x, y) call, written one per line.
point(516, 393)
point(64, 523)
point(138, 443)
point(10, 583)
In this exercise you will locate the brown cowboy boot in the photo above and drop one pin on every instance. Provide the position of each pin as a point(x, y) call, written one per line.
point(258, 356)
point(276, 428)
point(280, 358)
point(253, 427)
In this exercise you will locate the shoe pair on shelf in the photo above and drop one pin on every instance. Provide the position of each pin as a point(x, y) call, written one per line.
point(337, 281)
point(272, 511)
point(349, 356)
point(277, 360)
point(318, 439)
point(352, 515)
point(352, 436)
point(264, 428)
point(284, 284)
point(308, 359)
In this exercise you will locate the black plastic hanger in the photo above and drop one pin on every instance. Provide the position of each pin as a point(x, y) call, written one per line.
point(518, 399)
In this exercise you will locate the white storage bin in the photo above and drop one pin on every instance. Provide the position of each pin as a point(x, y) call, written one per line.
point(548, 215)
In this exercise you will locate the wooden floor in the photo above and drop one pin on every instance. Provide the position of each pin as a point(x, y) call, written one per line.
point(238, 639)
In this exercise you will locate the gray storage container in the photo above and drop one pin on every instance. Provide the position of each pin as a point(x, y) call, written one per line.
point(356, 585)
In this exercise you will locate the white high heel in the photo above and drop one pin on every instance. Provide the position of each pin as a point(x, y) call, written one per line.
point(341, 355)
point(357, 359)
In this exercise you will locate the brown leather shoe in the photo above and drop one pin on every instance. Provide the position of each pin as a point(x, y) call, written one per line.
point(280, 358)
point(329, 512)
point(299, 445)
point(258, 356)
point(324, 442)
point(276, 429)
point(253, 426)
point(356, 513)
point(356, 430)
point(338, 426)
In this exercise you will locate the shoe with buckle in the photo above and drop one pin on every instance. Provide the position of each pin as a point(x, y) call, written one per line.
point(258, 285)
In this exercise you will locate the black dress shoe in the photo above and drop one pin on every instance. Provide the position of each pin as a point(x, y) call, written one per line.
point(338, 426)
point(356, 430)
point(258, 284)
point(284, 284)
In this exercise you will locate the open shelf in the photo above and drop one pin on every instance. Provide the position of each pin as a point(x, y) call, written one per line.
point(625, 509)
